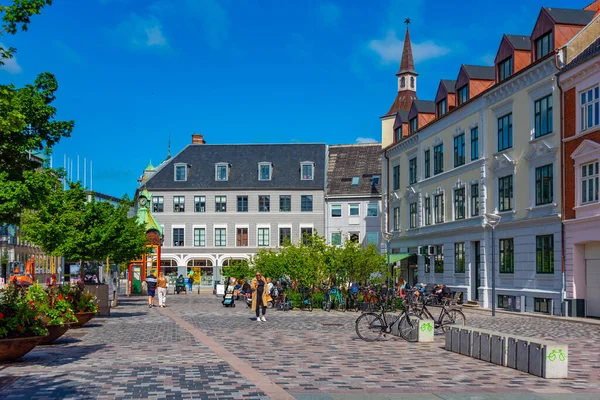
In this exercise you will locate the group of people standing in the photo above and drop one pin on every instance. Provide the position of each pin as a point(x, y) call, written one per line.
point(260, 289)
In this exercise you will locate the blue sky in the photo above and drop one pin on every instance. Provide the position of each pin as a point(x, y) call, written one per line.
point(131, 72)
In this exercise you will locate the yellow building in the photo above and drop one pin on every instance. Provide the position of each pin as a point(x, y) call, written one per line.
point(486, 148)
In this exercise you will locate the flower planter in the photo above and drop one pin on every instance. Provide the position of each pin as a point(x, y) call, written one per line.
point(82, 319)
point(13, 349)
point(55, 331)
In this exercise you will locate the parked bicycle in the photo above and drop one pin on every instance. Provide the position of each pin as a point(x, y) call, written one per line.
point(371, 326)
point(306, 302)
point(449, 315)
point(338, 301)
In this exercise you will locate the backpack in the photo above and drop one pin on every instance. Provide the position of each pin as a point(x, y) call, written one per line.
point(354, 288)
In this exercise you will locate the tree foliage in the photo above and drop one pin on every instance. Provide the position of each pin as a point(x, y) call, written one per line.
point(312, 262)
point(27, 123)
point(67, 225)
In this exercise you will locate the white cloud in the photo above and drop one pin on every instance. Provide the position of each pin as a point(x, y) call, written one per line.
point(362, 140)
point(389, 49)
point(10, 64)
point(143, 32)
point(329, 14)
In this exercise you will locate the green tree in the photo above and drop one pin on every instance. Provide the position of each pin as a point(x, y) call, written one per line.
point(27, 123)
point(238, 268)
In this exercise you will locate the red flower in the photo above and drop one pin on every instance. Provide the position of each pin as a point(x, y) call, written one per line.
point(60, 297)
point(20, 328)
point(1, 315)
point(31, 302)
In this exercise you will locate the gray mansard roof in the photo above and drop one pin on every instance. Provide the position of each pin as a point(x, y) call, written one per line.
point(243, 160)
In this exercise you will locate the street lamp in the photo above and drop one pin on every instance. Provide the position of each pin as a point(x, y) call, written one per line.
point(493, 220)
point(387, 236)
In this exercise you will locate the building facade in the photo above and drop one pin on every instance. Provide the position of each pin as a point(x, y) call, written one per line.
point(486, 149)
point(353, 194)
point(218, 203)
point(579, 80)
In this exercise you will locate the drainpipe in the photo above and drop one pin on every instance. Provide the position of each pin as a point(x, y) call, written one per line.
point(387, 192)
point(563, 282)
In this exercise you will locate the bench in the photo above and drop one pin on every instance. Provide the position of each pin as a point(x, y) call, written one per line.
point(543, 358)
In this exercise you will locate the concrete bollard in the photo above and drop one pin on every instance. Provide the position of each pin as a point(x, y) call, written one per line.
point(465, 342)
point(555, 364)
point(426, 330)
point(448, 344)
point(455, 339)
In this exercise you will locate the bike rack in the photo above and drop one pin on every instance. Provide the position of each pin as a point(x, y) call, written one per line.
point(543, 358)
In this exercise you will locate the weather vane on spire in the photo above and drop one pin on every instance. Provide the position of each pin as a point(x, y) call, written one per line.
point(407, 21)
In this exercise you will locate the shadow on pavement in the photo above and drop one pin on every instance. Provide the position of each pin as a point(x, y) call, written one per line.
point(44, 386)
point(125, 314)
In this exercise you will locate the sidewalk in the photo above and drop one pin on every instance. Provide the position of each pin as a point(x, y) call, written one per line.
point(579, 320)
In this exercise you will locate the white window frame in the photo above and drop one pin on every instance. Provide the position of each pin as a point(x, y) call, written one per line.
point(242, 226)
point(376, 209)
point(587, 152)
point(341, 238)
point(177, 226)
point(194, 227)
point(279, 233)
point(219, 165)
point(500, 111)
point(185, 169)
point(304, 226)
point(583, 121)
point(535, 94)
point(270, 167)
point(200, 197)
point(396, 219)
point(460, 186)
point(258, 229)
point(331, 210)
point(307, 164)
point(215, 227)
point(350, 206)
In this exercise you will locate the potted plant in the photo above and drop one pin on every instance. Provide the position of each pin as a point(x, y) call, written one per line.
point(84, 304)
point(21, 327)
point(55, 310)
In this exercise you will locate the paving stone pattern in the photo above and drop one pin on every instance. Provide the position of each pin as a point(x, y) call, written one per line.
point(142, 353)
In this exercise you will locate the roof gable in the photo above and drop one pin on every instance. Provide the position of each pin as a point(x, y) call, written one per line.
point(569, 16)
point(421, 107)
point(401, 117)
point(445, 87)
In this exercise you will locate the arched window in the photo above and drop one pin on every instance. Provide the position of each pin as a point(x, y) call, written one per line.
point(402, 82)
point(412, 82)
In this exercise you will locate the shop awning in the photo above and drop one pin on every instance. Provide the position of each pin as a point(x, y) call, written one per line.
point(399, 257)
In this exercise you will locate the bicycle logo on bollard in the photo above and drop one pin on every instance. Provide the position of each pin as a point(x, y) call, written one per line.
point(553, 354)
point(426, 327)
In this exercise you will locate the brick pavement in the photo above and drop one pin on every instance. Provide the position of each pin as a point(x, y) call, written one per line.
point(143, 353)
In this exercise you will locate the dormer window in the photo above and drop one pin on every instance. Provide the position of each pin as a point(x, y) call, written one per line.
point(180, 172)
point(264, 171)
point(375, 180)
point(398, 133)
point(414, 125)
point(355, 180)
point(222, 172)
point(505, 69)
point(307, 170)
point(442, 107)
point(543, 45)
point(462, 94)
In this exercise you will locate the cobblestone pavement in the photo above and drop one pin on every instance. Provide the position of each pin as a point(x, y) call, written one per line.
point(150, 353)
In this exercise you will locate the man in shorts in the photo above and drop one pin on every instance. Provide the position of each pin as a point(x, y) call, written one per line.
point(151, 283)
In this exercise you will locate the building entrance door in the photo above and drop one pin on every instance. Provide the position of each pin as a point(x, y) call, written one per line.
point(136, 280)
point(476, 273)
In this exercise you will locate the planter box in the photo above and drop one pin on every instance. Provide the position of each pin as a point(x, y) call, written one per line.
point(82, 319)
point(13, 349)
point(101, 293)
point(55, 331)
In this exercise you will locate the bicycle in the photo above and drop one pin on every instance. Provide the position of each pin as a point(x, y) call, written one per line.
point(353, 301)
point(337, 299)
point(370, 326)
point(552, 356)
point(306, 299)
point(369, 298)
point(448, 315)
point(326, 299)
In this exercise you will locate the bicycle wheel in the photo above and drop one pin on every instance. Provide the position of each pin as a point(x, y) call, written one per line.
point(310, 307)
point(369, 327)
point(341, 304)
point(408, 328)
point(452, 317)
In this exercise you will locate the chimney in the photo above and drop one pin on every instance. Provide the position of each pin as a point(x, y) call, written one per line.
point(197, 138)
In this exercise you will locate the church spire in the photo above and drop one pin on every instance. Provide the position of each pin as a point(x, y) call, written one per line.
point(407, 63)
point(169, 149)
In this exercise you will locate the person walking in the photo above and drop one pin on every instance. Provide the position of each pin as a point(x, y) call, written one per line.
point(151, 285)
point(162, 290)
point(259, 296)
point(190, 281)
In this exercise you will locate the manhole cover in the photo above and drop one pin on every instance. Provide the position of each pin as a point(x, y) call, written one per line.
point(332, 324)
